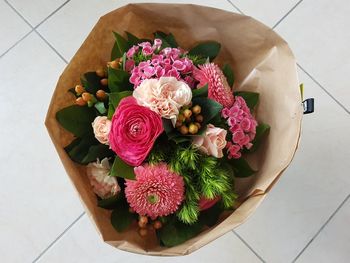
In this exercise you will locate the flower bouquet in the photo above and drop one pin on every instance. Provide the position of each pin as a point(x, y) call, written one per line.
point(159, 134)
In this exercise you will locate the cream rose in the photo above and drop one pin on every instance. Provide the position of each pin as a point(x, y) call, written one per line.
point(212, 142)
point(164, 96)
point(103, 185)
point(102, 127)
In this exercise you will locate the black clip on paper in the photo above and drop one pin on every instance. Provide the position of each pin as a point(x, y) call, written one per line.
point(308, 105)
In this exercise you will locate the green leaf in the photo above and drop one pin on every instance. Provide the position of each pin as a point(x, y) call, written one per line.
point(261, 130)
point(168, 40)
point(76, 119)
point(200, 92)
point(120, 46)
point(72, 90)
point(114, 100)
point(241, 168)
point(211, 215)
point(79, 148)
point(118, 80)
point(121, 169)
point(132, 39)
point(208, 49)
point(100, 106)
point(228, 72)
point(251, 98)
point(109, 203)
point(175, 232)
point(121, 218)
point(210, 108)
point(95, 152)
point(91, 82)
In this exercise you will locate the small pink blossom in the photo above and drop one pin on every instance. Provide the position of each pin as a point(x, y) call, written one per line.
point(212, 142)
point(132, 51)
point(156, 191)
point(242, 126)
point(101, 127)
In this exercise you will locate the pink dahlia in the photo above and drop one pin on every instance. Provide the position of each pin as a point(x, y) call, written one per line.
point(156, 191)
point(218, 88)
point(242, 126)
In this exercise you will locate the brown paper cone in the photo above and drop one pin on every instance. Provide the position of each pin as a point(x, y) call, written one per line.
point(262, 62)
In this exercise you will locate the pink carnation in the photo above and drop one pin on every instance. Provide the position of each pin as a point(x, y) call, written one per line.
point(242, 126)
point(218, 88)
point(134, 131)
point(156, 191)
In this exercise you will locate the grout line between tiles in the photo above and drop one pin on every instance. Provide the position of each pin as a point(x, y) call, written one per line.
point(239, 10)
point(248, 246)
point(18, 13)
point(322, 227)
point(323, 88)
point(287, 14)
point(55, 50)
point(15, 44)
point(58, 238)
point(50, 15)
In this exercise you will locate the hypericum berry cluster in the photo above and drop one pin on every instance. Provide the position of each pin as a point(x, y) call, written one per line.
point(189, 120)
point(146, 61)
point(242, 126)
point(86, 98)
point(145, 224)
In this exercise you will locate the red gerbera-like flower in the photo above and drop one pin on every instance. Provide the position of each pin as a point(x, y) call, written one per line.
point(218, 88)
point(156, 191)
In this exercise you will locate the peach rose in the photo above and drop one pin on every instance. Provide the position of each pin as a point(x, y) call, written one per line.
point(102, 127)
point(103, 185)
point(212, 142)
point(164, 96)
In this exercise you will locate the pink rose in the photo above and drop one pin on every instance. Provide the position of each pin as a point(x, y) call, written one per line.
point(101, 127)
point(102, 184)
point(164, 96)
point(134, 131)
point(212, 142)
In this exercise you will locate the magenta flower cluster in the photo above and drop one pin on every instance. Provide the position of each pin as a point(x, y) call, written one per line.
point(242, 126)
point(169, 62)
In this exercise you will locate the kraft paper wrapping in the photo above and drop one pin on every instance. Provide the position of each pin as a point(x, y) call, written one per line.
point(262, 62)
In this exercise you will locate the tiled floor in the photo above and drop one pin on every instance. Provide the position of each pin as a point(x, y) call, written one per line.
point(304, 219)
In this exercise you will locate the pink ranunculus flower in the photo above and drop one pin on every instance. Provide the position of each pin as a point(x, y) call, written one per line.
point(212, 142)
point(102, 184)
point(164, 96)
point(134, 131)
point(102, 126)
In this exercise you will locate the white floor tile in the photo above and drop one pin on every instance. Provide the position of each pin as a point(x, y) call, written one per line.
point(12, 27)
point(310, 190)
point(35, 11)
point(318, 32)
point(36, 198)
point(66, 30)
point(268, 11)
point(82, 244)
point(333, 243)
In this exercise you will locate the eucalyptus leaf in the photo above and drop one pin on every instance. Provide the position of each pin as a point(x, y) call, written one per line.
point(91, 82)
point(122, 169)
point(121, 218)
point(175, 232)
point(261, 130)
point(121, 45)
point(241, 168)
point(98, 151)
point(76, 119)
point(100, 106)
point(114, 100)
point(207, 49)
point(118, 80)
point(251, 98)
point(200, 92)
point(228, 72)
